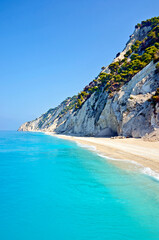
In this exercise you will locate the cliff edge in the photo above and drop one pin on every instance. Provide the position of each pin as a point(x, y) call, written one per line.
point(122, 100)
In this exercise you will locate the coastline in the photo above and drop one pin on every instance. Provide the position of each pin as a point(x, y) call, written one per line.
point(124, 151)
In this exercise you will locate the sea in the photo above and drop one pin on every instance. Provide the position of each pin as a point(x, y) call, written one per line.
point(54, 189)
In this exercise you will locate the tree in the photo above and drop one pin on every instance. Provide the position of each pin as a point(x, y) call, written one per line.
point(113, 67)
point(136, 45)
point(151, 50)
point(134, 56)
point(146, 57)
point(127, 54)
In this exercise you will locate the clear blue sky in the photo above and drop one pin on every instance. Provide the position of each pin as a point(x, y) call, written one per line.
point(50, 50)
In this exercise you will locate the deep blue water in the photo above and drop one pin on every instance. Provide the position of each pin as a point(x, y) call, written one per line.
point(51, 189)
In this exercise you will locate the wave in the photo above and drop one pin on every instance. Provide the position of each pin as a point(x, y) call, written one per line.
point(119, 160)
point(144, 170)
point(92, 148)
point(148, 171)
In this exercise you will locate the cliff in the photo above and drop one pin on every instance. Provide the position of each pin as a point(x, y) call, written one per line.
point(122, 100)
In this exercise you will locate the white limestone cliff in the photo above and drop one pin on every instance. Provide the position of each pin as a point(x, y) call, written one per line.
point(128, 113)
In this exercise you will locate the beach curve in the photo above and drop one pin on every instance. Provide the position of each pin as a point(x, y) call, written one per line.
point(142, 153)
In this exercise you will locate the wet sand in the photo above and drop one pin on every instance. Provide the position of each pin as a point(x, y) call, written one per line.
point(142, 152)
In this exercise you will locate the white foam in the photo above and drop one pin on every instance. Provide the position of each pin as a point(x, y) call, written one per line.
point(148, 171)
point(145, 170)
point(120, 160)
point(92, 148)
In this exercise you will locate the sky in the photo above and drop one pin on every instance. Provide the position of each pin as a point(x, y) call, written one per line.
point(50, 49)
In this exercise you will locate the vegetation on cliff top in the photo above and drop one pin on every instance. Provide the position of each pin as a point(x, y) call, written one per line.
point(120, 72)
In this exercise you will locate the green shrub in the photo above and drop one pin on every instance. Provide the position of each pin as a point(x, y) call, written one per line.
point(152, 34)
point(127, 54)
point(156, 57)
point(84, 94)
point(135, 56)
point(157, 68)
point(155, 97)
point(138, 25)
point(157, 45)
point(146, 58)
point(150, 22)
point(135, 59)
point(151, 50)
point(79, 102)
point(113, 67)
point(136, 45)
point(118, 77)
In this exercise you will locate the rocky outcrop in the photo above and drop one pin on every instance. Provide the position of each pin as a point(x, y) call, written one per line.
point(129, 112)
point(47, 120)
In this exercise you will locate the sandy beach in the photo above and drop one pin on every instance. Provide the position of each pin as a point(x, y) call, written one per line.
point(142, 152)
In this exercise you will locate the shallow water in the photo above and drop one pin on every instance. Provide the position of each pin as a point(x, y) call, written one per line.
point(52, 189)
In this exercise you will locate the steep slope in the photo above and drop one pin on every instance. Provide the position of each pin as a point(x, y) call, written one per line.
point(122, 100)
point(49, 119)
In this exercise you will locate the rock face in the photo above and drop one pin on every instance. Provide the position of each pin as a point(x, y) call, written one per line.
point(129, 112)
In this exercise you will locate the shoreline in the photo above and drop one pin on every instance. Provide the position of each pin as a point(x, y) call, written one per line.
point(124, 151)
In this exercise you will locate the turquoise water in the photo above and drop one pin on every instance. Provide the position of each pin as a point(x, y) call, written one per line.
point(51, 189)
